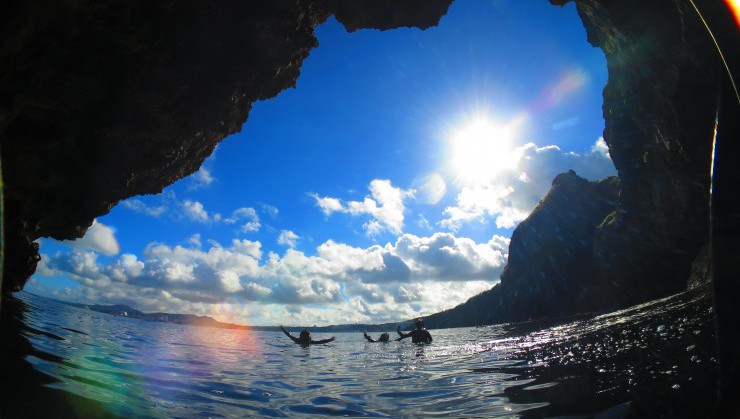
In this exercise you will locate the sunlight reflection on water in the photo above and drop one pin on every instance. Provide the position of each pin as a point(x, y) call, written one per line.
point(144, 369)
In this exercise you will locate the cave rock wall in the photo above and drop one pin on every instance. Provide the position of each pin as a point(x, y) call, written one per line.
point(107, 99)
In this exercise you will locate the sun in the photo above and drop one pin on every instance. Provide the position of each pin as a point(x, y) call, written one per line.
point(481, 149)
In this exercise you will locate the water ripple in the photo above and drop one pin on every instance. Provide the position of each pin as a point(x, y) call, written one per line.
point(586, 366)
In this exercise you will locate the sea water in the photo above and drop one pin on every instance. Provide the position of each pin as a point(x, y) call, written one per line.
point(654, 359)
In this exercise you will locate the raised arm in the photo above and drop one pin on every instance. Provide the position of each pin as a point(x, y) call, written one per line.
point(288, 334)
point(319, 342)
point(367, 337)
point(401, 334)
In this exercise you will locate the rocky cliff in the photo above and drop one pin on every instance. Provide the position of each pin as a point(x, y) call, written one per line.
point(660, 109)
point(552, 267)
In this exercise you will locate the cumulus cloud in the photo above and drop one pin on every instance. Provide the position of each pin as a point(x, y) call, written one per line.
point(99, 238)
point(201, 179)
point(126, 266)
point(423, 223)
point(195, 240)
point(270, 210)
point(288, 238)
point(341, 283)
point(446, 257)
point(137, 205)
point(204, 176)
point(189, 209)
point(385, 206)
point(511, 195)
point(195, 211)
point(247, 217)
point(328, 204)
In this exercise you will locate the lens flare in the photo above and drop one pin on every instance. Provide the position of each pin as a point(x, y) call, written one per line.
point(570, 83)
point(430, 188)
point(734, 7)
point(225, 311)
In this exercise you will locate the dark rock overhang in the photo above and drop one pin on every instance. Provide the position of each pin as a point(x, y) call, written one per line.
point(104, 100)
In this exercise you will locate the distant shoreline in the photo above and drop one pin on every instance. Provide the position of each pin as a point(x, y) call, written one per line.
point(121, 310)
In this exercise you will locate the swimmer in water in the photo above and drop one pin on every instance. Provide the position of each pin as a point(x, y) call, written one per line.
point(305, 338)
point(384, 337)
point(419, 335)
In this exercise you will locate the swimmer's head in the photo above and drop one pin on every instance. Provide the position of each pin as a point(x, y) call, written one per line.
point(384, 337)
point(305, 336)
point(420, 324)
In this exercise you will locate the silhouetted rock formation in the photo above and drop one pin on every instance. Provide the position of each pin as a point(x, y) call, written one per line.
point(106, 100)
point(388, 14)
point(552, 264)
point(659, 108)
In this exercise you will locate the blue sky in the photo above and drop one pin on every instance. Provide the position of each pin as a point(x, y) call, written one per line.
point(384, 186)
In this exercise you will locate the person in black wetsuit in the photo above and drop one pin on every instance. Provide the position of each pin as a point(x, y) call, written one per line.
point(305, 338)
point(419, 335)
point(384, 337)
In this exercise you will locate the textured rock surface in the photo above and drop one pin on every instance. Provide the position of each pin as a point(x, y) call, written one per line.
point(552, 266)
point(104, 100)
point(659, 108)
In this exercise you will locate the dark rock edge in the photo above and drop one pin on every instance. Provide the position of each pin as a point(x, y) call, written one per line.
point(107, 100)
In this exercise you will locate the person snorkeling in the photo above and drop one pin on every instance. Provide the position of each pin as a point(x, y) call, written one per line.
point(305, 338)
point(384, 337)
point(418, 335)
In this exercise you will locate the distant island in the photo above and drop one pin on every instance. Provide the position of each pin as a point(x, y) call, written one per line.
point(122, 310)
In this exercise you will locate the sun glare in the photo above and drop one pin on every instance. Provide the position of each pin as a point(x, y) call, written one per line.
point(481, 149)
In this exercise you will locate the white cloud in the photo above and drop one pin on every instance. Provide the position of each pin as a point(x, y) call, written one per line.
point(249, 217)
point(192, 210)
point(195, 211)
point(229, 281)
point(99, 238)
point(328, 204)
point(385, 206)
point(339, 259)
point(423, 223)
point(204, 176)
point(446, 257)
point(188, 209)
point(250, 227)
point(125, 267)
point(248, 247)
point(201, 179)
point(288, 238)
point(139, 206)
point(270, 210)
point(195, 240)
point(341, 283)
point(601, 148)
point(242, 214)
point(512, 194)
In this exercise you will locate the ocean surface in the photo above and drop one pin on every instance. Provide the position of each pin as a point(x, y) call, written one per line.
point(653, 360)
